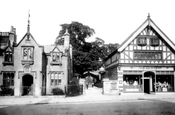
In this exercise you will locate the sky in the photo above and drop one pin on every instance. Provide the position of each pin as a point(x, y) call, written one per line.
point(112, 20)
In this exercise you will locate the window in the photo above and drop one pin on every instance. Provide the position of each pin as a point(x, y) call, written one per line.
point(8, 58)
point(27, 55)
point(154, 41)
point(55, 79)
point(146, 55)
point(164, 83)
point(141, 41)
point(8, 79)
point(56, 58)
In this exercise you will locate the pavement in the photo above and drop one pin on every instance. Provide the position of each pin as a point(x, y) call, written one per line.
point(92, 95)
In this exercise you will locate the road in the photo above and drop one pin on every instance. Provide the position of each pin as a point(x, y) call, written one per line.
point(137, 107)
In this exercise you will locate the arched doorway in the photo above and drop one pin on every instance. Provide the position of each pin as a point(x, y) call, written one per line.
point(27, 84)
point(149, 81)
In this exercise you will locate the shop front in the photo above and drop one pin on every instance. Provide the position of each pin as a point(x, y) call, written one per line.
point(148, 79)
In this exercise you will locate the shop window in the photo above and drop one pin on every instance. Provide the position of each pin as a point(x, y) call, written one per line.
point(8, 79)
point(154, 41)
point(27, 54)
point(56, 58)
point(55, 79)
point(164, 83)
point(141, 41)
point(132, 82)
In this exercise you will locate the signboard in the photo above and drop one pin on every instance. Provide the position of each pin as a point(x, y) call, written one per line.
point(110, 87)
point(149, 68)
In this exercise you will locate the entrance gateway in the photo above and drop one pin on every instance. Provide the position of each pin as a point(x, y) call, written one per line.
point(149, 82)
point(27, 85)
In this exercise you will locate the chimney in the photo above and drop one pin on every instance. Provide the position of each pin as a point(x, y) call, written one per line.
point(13, 30)
point(66, 37)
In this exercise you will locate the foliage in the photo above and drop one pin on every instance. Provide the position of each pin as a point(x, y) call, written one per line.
point(6, 91)
point(74, 81)
point(78, 33)
point(57, 91)
point(86, 56)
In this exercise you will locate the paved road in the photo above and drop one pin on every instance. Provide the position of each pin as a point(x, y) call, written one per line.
point(136, 107)
point(93, 95)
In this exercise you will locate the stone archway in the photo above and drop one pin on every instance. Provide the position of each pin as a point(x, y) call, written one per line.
point(27, 84)
point(149, 82)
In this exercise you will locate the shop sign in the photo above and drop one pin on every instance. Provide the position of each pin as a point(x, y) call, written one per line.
point(149, 68)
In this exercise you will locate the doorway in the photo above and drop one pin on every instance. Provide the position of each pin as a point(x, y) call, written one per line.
point(149, 82)
point(27, 85)
point(147, 86)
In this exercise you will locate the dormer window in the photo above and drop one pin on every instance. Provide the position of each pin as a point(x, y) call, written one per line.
point(8, 58)
point(56, 58)
point(27, 55)
point(154, 41)
point(141, 41)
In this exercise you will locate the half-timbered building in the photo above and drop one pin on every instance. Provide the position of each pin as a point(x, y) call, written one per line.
point(144, 62)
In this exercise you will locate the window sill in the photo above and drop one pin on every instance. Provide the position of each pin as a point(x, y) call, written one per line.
point(141, 44)
point(27, 62)
point(154, 45)
point(7, 63)
point(56, 63)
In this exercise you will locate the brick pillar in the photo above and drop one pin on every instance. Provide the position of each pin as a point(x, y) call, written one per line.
point(120, 80)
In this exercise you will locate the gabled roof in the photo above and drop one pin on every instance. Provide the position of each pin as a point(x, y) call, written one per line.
point(8, 48)
point(28, 34)
point(147, 22)
point(52, 48)
point(56, 49)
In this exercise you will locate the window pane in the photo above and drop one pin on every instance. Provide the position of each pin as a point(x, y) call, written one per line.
point(58, 57)
point(56, 82)
point(52, 82)
point(52, 76)
point(54, 57)
point(59, 81)
point(56, 76)
point(30, 53)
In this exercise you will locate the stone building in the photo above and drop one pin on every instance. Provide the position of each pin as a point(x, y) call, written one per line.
point(32, 69)
point(144, 62)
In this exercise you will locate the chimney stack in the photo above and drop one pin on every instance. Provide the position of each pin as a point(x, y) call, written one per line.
point(66, 37)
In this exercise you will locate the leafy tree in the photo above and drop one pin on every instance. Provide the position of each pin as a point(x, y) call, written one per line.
point(78, 33)
point(82, 59)
point(86, 56)
point(102, 49)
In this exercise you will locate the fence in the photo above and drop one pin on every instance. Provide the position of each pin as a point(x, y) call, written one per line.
point(74, 90)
